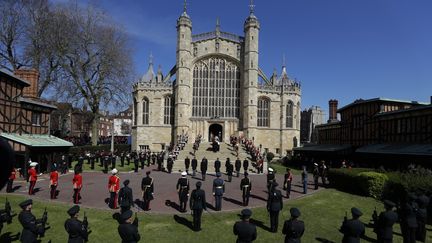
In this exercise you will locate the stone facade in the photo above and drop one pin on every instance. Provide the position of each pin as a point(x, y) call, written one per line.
point(218, 90)
point(309, 120)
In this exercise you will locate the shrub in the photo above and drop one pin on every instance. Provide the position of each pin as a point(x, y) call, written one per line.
point(270, 156)
point(345, 179)
point(372, 183)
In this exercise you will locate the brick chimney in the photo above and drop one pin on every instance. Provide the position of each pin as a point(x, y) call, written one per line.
point(31, 76)
point(333, 105)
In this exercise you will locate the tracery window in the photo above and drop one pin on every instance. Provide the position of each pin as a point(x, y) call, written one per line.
point(168, 110)
point(145, 117)
point(263, 112)
point(289, 114)
point(216, 89)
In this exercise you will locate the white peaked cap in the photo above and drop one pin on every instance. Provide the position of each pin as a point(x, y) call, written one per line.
point(270, 169)
point(33, 164)
point(114, 171)
point(184, 173)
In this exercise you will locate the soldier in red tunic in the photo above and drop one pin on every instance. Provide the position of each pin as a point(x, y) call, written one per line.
point(113, 187)
point(53, 182)
point(77, 185)
point(11, 179)
point(32, 177)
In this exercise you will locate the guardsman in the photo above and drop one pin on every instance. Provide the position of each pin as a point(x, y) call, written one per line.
point(238, 165)
point(197, 204)
point(194, 166)
point(353, 228)
point(128, 158)
point(423, 202)
point(245, 231)
point(304, 179)
point(274, 206)
point(92, 161)
point(293, 228)
point(230, 170)
point(245, 165)
point(217, 165)
point(147, 158)
point(142, 160)
point(203, 167)
point(153, 157)
point(76, 229)
point(63, 165)
point(128, 228)
point(113, 159)
point(159, 162)
point(187, 164)
point(11, 179)
point(147, 190)
point(125, 197)
point(287, 182)
point(122, 159)
point(316, 175)
point(183, 191)
point(32, 175)
point(31, 229)
point(53, 182)
point(384, 223)
point(113, 188)
point(106, 161)
point(270, 178)
point(218, 191)
point(77, 186)
point(246, 187)
point(170, 163)
point(136, 162)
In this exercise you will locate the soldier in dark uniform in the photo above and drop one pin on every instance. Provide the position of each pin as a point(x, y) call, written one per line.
point(128, 229)
point(217, 165)
point(238, 166)
point(136, 162)
point(274, 205)
point(147, 190)
point(383, 224)
point(187, 164)
point(128, 157)
point(147, 158)
point(170, 163)
point(141, 159)
point(125, 197)
point(194, 166)
point(203, 168)
point(31, 229)
point(245, 165)
point(122, 159)
point(153, 157)
point(76, 229)
point(106, 161)
point(270, 179)
point(99, 155)
point(408, 219)
point(64, 165)
point(245, 231)
point(246, 187)
point(197, 204)
point(423, 202)
point(218, 191)
point(183, 191)
point(227, 162)
point(353, 228)
point(113, 159)
point(230, 170)
point(159, 162)
point(316, 175)
point(288, 177)
point(293, 228)
point(92, 160)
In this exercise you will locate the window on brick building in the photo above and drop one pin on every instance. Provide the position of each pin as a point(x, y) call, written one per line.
point(36, 118)
point(145, 116)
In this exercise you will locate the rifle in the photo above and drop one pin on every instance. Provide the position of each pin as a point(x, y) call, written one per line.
point(43, 223)
point(85, 221)
point(135, 222)
point(8, 211)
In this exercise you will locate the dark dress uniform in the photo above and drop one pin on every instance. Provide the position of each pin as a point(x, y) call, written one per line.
point(106, 162)
point(170, 164)
point(227, 162)
point(316, 175)
point(218, 191)
point(113, 158)
point(204, 164)
point(238, 167)
point(246, 232)
point(77, 231)
point(353, 228)
point(423, 202)
point(183, 191)
point(92, 161)
point(230, 170)
point(141, 159)
point(274, 205)
point(409, 221)
point(270, 180)
point(122, 159)
point(128, 232)
point(125, 198)
point(293, 228)
point(197, 204)
point(385, 223)
point(246, 187)
point(217, 165)
point(147, 188)
point(187, 164)
point(245, 165)
point(30, 230)
point(194, 166)
point(136, 163)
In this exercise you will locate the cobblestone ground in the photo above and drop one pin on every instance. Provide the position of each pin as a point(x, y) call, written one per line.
point(95, 192)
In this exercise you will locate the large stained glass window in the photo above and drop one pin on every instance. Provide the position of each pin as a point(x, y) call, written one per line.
point(168, 110)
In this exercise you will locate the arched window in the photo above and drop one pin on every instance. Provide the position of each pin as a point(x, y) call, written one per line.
point(263, 112)
point(168, 110)
point(135, 111)
point(289, 114)
point(145, 115)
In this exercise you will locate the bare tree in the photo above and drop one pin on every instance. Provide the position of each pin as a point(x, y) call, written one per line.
point(95, 60)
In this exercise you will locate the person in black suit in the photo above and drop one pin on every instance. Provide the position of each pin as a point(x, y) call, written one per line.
point(204, 164)
point(353, 228)
point(245, 230)
point(197, 204)
point(238, 165)
point(76, 229)
point(128, 229)
point(293, 228)
point(125, 197)
point(384, 223)
point(274, 206)
point(31, 229)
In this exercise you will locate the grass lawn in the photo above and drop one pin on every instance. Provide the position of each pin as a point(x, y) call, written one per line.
point(281, 169)
point(322, 212)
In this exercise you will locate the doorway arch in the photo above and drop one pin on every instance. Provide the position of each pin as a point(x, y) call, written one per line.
point(215, 130)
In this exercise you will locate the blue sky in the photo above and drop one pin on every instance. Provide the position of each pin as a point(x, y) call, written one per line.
point(338, 49)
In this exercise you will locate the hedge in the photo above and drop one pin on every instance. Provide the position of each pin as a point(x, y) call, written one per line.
point(105, 147)
point(372, 183)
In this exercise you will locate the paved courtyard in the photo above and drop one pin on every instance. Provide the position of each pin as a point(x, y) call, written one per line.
point(95, 192)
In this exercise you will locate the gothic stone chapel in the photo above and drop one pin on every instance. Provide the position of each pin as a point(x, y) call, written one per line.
point(218, 89)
